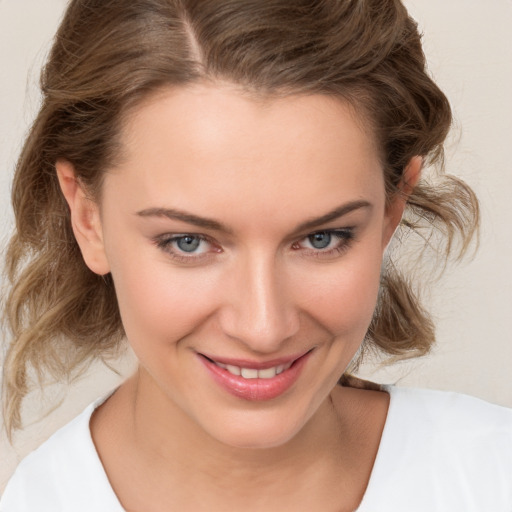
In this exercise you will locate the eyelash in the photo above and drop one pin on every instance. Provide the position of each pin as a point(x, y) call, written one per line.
point(165, 244)
point(344, 236)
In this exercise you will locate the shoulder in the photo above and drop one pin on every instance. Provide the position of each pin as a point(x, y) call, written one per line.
point(64, 473)
point(446, 412)
point(453, 427)
point(444, 451)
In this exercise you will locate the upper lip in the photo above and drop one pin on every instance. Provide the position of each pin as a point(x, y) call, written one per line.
point(256, 365)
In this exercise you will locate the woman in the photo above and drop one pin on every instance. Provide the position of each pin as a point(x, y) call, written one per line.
point(218, 182)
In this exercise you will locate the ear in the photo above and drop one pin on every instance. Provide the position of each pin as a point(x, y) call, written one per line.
point(396, 207)
point(85, 218)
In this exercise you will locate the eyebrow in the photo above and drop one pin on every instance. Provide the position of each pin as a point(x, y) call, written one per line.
point(338, 212)
point(182, 216)
point(206, 223)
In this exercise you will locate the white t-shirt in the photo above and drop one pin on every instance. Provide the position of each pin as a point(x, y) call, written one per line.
point(439, 452)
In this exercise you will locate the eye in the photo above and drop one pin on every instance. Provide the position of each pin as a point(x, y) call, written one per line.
point(326, 243)
point(188, 243)
point(187, 248)
point(320, 240)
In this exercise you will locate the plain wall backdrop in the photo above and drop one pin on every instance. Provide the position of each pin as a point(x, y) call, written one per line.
point(469, 48)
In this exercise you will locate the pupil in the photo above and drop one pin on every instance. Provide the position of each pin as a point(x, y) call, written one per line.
point(188, 243)
point(320, 240)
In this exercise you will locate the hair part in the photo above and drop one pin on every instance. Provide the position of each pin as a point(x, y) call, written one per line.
point(109, 56)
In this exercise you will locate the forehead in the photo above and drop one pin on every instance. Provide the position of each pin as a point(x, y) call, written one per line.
point(201, 145)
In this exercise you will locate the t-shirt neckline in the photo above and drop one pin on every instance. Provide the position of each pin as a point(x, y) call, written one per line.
point(386, 433)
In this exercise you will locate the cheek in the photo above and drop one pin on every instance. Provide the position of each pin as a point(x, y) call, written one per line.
point(343, 298)
point(158, 302)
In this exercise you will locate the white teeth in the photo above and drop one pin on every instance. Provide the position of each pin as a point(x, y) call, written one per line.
point(249, 373)
point(252, 373)
point(267, 373)
point(235, 370)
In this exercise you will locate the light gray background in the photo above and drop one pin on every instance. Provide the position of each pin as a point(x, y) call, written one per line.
point(469, 47)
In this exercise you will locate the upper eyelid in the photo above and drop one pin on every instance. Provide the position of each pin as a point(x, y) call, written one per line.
point(175, 236)
point(163, 242)
point(325, 230)
point(168, 238)
point(330, 231)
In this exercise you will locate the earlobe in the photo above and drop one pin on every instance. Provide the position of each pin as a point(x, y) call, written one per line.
point(85, 218)
point(397, 206)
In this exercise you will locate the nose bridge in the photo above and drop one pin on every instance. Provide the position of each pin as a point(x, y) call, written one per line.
point(260, 312)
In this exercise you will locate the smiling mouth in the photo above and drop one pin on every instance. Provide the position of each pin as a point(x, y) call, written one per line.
point(252, 380)
point(257, 370)
point(253, 373)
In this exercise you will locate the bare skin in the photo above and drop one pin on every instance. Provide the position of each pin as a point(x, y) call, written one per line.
point(151, 470)
point(252, 232)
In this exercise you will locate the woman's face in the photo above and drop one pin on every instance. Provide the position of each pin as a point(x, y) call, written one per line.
point(245, 240)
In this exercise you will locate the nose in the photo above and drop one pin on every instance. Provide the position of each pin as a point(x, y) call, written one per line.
point(258, 309)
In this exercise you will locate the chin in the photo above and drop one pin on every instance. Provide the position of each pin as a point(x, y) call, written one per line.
point(258, 429)
point(260, 437)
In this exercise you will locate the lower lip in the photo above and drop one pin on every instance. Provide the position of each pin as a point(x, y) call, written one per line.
point(256, 389)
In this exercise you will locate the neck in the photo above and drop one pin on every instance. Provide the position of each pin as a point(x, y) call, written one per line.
point(180, 452)
point(142, 436)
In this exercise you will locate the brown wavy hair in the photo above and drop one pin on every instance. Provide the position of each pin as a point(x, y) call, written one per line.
point(109, 55)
